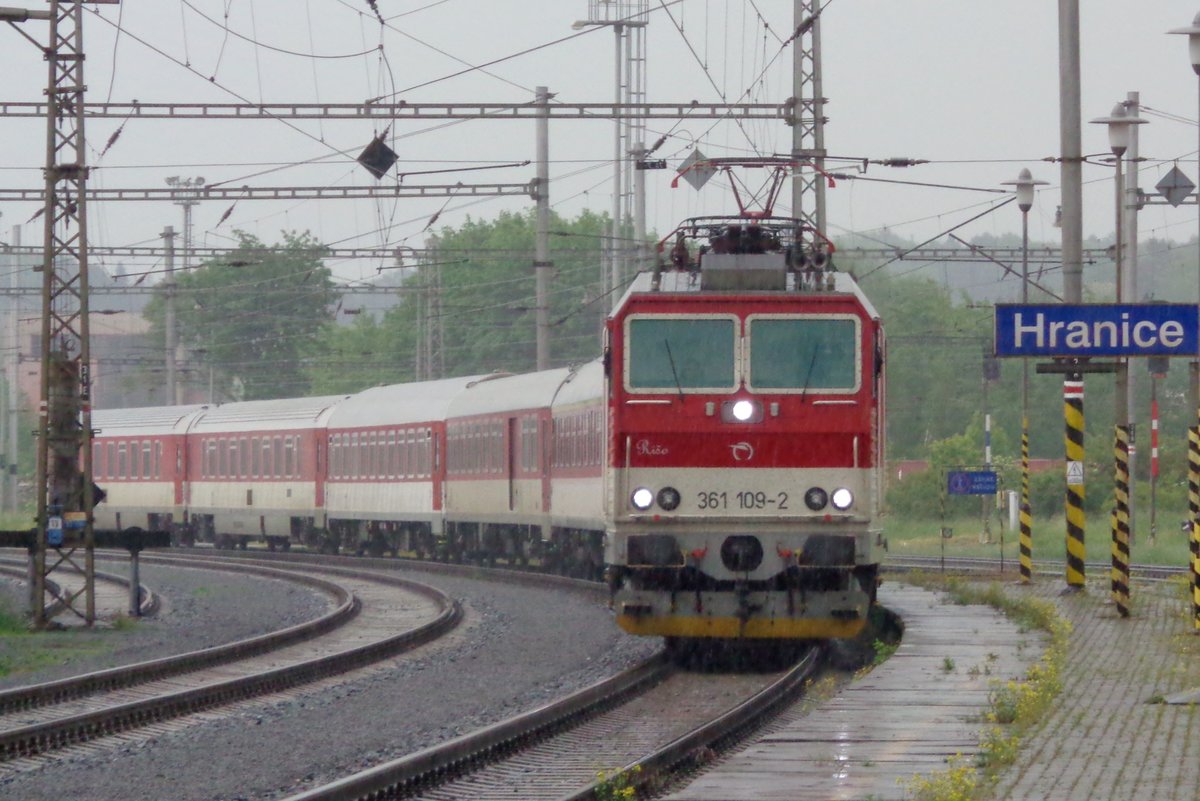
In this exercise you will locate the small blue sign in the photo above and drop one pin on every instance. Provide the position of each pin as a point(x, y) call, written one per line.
point(972, 482)
point(54, 531)
point(1148, 329)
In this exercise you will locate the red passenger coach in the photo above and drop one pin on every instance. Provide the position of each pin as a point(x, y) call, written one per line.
point(745, 405)
point(385, 485)
point(139, 459)
point(257, 471)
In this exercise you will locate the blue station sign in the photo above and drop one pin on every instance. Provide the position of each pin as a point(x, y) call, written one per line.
point(972, 482)
point(1128, 329)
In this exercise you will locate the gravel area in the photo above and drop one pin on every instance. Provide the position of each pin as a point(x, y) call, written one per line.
point(200, 608)
point(520, 648)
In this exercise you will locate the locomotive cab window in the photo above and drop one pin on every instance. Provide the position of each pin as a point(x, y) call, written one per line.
point(670, 354)
point(804, 354)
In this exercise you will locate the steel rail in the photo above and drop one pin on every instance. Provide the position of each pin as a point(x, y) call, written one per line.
point(40, 738)
point(494, 744)
point(146, 608)
point(81, 728)
point(1045, 567)
point(391, 778)
point(728, 727)
point(54, 692)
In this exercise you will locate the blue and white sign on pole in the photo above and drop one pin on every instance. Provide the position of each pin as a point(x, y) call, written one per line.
point(1150, 329)
point(972, 482)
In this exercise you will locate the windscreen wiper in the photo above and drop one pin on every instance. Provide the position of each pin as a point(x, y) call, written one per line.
point(674, 372)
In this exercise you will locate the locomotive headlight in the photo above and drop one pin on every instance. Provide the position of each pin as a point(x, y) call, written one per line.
point(816, 499)
point(741, 411)
point(641, 498)
point(668, 499)
point(842, 499)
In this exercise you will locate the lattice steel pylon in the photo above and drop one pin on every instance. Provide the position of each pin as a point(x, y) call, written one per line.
point(628, 20)
point(808, 116)
point(64, 452)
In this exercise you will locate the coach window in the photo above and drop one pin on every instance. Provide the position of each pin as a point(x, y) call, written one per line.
point(391, 454)
point(803, 354)
point(425, 446)
point(289, 457)
point(597, 437)
point(122, 451)
point(254, 445)
point(680, 354)
point(158, 465)
point(266, 457)
point(407, 468)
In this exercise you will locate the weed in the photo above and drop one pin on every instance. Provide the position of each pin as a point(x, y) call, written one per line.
point(947, 665)
point(1014, 706)
point(883, 651)
point(958, 782)
point(123, 622)
point(620, 786)
point(997, 748)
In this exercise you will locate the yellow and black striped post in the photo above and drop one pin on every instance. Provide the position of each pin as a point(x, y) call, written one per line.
point(1194, 518)
point(1026, 509)
point(1120, 540)
point(1073, 412)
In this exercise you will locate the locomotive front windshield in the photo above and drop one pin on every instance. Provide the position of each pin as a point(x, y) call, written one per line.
point(803, 354)
point(681, 353)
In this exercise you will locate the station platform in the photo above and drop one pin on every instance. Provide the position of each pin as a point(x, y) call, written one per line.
point(1103, 740)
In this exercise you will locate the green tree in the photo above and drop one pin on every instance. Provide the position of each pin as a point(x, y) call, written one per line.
point(250, 315)
point(481, 275)
point(349, 358)
point(487, 290)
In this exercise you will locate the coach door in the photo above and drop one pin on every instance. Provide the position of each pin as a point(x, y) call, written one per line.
point(512, 450)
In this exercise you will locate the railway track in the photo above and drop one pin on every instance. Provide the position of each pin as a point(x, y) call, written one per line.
point(112, 590)
point(39, 719)
point(557, 751)
point(978, 564)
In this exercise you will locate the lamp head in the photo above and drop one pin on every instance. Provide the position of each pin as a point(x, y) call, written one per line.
point(1193, 34)
point(1025, 184)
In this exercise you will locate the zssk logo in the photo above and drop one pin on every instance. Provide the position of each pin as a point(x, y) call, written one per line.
point(742, 451)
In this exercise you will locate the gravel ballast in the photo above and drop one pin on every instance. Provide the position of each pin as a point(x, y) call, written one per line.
point(199, 609)
point(520, 647)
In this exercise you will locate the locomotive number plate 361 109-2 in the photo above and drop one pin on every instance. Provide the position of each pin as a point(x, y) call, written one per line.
point(746, 499)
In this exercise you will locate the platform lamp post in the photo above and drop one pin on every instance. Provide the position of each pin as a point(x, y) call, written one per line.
point(1193, 34)
point(1119, 136)
point(1024, 185)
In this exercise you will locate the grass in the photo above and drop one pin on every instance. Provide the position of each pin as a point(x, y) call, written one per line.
point(24, 651)
point(923, 538)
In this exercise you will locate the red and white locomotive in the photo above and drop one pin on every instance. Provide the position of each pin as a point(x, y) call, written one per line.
point(745, 405)
point(721, 464)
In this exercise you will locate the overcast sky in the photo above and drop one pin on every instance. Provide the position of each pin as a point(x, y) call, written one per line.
point(970, 85)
